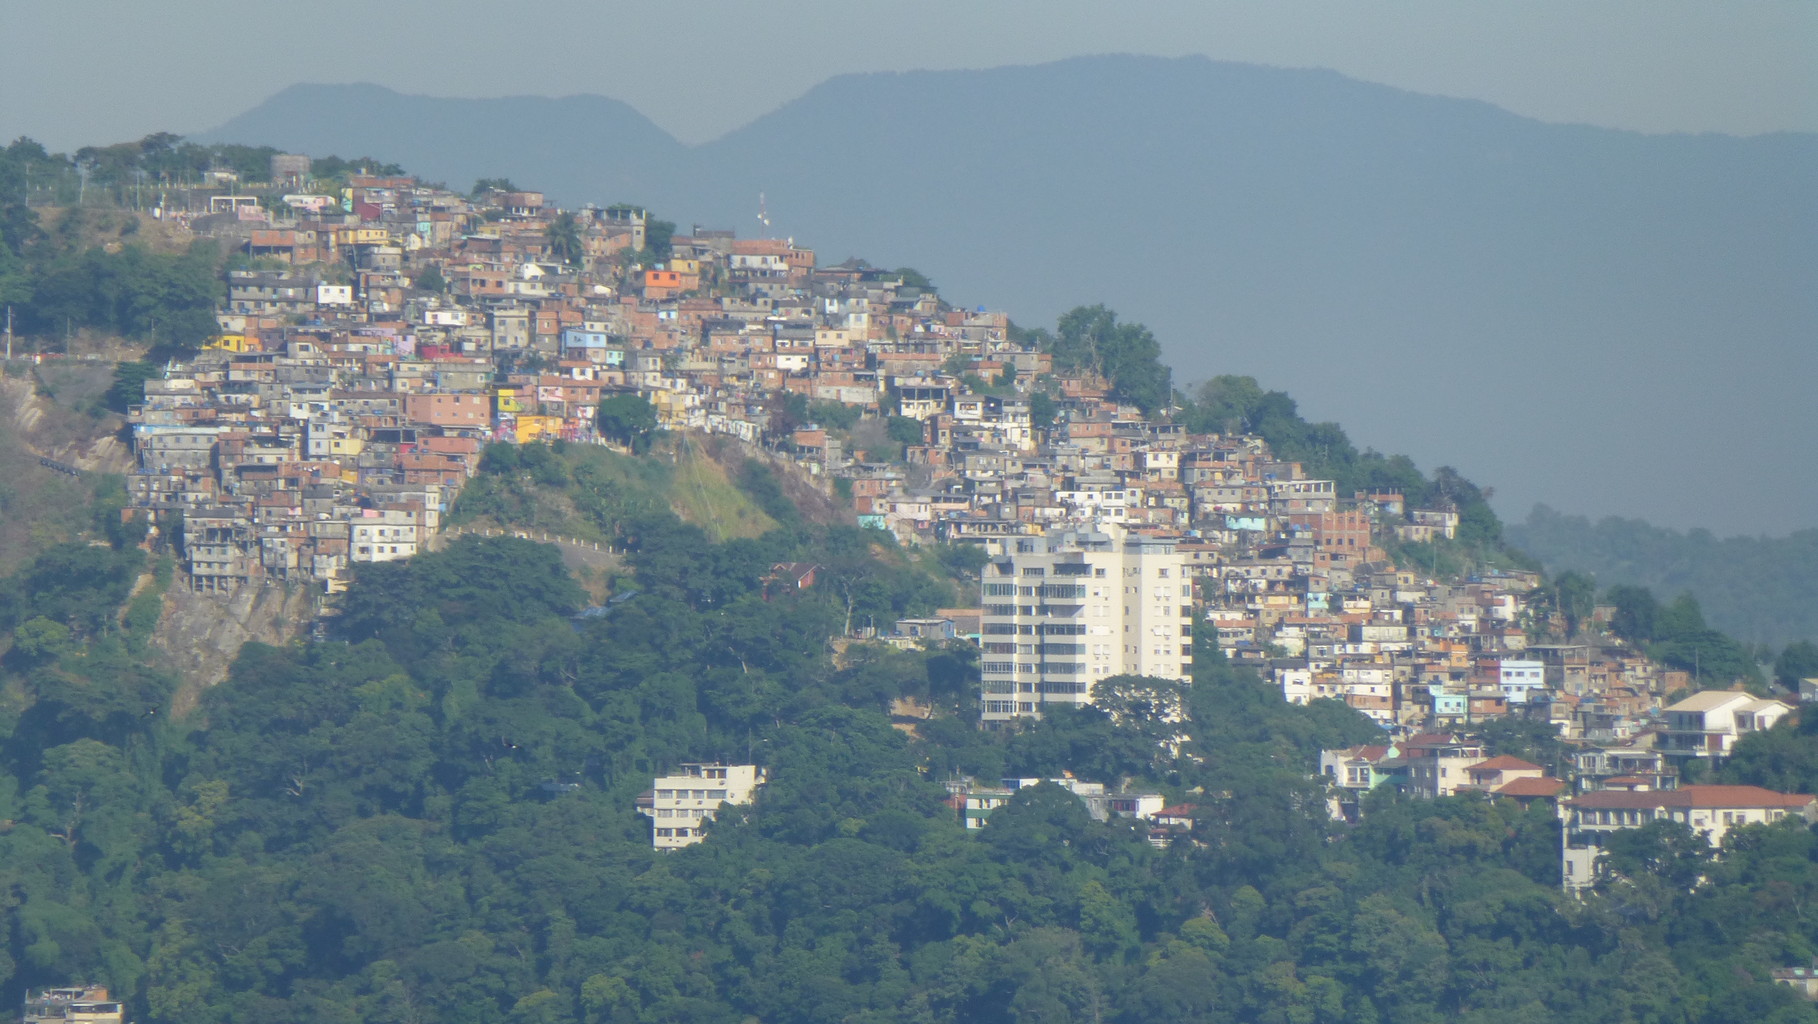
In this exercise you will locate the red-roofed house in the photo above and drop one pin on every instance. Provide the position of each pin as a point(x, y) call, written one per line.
point(1492, 774)
point(1710, 811)
point(1525, 791)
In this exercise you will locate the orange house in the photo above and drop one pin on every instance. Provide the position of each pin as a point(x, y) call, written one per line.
point(662, 284)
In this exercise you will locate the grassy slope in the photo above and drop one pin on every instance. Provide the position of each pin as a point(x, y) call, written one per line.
point(597, 486)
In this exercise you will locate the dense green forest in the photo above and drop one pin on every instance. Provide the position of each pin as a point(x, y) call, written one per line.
point(1762, 590)
point(428, 815)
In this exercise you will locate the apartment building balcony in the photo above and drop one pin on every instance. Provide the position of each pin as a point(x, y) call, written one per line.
point(1693, 742)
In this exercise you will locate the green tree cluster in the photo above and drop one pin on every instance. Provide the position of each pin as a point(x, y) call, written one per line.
point(628, 419)
point(1757, 589)
point(1090, 338)
point(1676, 635)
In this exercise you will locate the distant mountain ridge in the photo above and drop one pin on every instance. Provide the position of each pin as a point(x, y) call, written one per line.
point(463, 140)
point(1577, 315)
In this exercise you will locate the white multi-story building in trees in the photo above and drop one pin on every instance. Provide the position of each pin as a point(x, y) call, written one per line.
point(680, 804)
point(1063, 613)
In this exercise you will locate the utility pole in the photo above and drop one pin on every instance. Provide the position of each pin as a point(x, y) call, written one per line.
point(9, 334)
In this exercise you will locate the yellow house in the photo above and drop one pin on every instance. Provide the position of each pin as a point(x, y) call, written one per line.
point(671, 407)
point(534, 428)
point(232, 343)
point(509, 401)
point(362, 236)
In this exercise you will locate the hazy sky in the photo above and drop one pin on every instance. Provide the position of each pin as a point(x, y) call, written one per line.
point(79, 72)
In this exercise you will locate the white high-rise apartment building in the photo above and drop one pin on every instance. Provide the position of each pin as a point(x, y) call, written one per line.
point(679, 804)
point(1062, 613)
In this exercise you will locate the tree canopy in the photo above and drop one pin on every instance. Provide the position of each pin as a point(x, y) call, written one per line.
point(1090, 338)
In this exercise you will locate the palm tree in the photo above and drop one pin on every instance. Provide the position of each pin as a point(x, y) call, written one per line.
point(564, 237)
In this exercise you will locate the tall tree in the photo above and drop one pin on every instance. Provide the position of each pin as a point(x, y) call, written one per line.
point(564, 238)
point(1090, 338)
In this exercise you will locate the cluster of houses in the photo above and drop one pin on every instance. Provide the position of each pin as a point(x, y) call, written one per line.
point(1611, 786)
point(387, 330)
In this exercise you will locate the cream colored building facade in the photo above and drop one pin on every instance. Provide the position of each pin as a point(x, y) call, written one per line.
point(681, 804)
point(1063, 613)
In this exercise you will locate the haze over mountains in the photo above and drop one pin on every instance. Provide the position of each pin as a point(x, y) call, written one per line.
point(1608, 322)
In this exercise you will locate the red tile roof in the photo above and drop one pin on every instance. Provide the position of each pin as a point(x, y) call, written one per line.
point(1503, 763)
point(1543, 786)
point(1693, 797)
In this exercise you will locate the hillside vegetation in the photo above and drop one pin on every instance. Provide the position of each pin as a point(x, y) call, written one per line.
point(429, 815)
point(589, 492)
point(1761, 590)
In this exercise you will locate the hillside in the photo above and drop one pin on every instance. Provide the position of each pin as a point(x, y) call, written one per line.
point(1560, 283)
point(432, 813)
point(585, 492)
point(1758, 589)
point(53, 411)
point(440, 802)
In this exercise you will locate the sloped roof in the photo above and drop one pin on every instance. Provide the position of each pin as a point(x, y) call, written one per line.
point(1504, 763)
point(1711, 700)
point(1543, 786)
point(1689, 797)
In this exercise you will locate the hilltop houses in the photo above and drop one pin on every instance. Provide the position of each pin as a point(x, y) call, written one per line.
point(383, 337)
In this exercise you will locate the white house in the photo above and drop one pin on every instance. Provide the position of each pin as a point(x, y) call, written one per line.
point(1710, 811)
point(1709, 723)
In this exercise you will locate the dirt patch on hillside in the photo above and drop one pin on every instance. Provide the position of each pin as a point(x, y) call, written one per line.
point(43, 505)
point(199, 635)
point(113, 229)
point(55, 410)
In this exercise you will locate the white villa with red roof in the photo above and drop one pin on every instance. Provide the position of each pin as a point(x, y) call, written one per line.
point(1710, 811)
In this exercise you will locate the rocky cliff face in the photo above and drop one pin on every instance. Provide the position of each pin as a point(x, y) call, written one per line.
point(199, 635)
